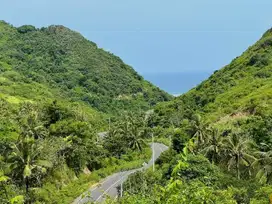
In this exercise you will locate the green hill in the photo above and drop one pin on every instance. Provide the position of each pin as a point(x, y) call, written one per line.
point(244, 87)
point(220, 135)
point(56, 91)
point(55, 62)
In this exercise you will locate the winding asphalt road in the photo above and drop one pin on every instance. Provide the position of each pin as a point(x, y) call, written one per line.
point(109, 185)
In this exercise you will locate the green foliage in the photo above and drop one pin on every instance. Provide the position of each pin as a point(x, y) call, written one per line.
point(196, 192)
point(53, 84)
point(26, 28)
point(67, 65)
point(142, 182)
point(55, 192)
point(56, 88)
point(193, 179)
point(179, 140)
point(263, 195)
point(164, 157)
point(178, 192)
point(244, 86)
point(128, 133)
point(17, 200)
point(225, 126)
point(238, 151)
point(54, 146)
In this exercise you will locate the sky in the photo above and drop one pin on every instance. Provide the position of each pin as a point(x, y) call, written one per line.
point(155, 36)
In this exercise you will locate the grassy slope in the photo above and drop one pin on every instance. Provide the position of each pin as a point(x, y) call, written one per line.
point(55, 62)
point(244, 86)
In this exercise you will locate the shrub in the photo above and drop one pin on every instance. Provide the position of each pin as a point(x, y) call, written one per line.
point(26, 29)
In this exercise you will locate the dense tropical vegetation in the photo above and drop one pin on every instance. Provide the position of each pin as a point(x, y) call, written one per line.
point(72, 113)
point(41, 64)
point(46, 148)
point(223, 168)
point(57, 92)
point(220, 138)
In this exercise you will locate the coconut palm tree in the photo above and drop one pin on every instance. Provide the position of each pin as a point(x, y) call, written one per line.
point(124, 126)
point(213, 146)
point(133, 130)
point(135, 138)
point(114, 141)
point(200, 131)
point(25, 160)
point(236, 149)
point(30, 123)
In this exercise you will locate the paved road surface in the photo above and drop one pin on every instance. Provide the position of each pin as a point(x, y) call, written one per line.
point(109, 185)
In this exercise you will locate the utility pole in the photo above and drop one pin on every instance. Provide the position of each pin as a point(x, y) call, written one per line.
point(121, 185)
point(153, 152)
point(121, 190)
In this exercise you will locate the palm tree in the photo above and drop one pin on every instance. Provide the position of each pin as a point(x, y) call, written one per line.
point(114, 142)
point(236, 149)
point(30, 123)
point(263, 165)
point(214, 145)
point(25, 160)
point(135, 138)
point(133, 130)
point(200, 131)
point(125, 125)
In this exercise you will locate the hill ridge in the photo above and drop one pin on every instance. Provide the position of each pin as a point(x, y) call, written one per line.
point(63, 60)
point(240, 86)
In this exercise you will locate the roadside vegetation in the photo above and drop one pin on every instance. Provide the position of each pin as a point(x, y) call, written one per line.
point(58, 91)
point(210, 166)
point(52, 155)
point(220, 135)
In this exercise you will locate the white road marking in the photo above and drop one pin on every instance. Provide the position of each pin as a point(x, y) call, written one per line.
point(161, 147)
point(98, 186)
point(109, 189)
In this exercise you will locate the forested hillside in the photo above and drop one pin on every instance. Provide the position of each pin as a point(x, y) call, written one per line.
point(57, 92)
point(243, 87)
point(221, 138)
point(41, 64)
point(57, 89)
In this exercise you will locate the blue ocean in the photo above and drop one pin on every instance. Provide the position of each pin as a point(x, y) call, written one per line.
point(176, 83)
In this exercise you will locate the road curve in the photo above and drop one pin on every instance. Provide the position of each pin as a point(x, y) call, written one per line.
point(109, 185)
